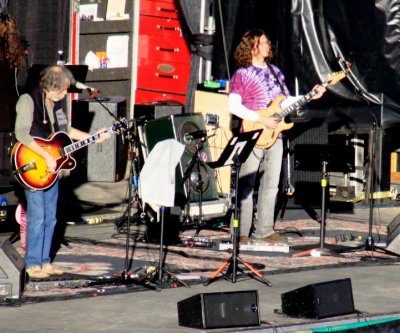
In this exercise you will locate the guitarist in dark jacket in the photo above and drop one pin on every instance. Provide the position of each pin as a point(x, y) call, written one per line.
point(254, 85)
point(39, 114)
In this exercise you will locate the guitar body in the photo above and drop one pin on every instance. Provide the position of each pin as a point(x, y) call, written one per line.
point(30, 168)
point(268, 136)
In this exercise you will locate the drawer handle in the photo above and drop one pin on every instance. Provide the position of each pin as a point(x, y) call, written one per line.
point(165, 49)
point(165, 76)
point(160, 9)
point(160, 27)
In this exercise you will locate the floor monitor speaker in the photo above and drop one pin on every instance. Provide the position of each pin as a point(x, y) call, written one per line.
point(393, 236)
point(105, 162)
point(175, 127)
point(218, 310)
point(319, 300)
point(12, 271)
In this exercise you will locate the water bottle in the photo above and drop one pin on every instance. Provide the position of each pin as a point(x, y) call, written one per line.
point(3, 208)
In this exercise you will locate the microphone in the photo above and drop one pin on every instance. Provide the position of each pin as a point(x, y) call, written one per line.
point(82, 86)
point(188, 137)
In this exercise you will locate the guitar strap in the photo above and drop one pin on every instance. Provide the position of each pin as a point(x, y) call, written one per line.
point(276, 78)
point(61, 120)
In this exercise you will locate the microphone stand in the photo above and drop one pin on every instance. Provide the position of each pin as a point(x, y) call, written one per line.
point(370, 243)
point(126, 276)
point(186, 180)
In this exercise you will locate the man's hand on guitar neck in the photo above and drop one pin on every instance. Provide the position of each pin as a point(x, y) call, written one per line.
point(320, 90)
point(103, 135)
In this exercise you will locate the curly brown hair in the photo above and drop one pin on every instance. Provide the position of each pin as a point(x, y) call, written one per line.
point(251, 38)
point(12, 48)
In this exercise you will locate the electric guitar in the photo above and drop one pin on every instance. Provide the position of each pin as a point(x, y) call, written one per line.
point(30, 168)
point(269, 136)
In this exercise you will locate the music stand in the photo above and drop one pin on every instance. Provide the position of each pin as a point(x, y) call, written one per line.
point(324, 158)
point(235, 153)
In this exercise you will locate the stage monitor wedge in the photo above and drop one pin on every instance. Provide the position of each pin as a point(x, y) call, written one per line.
point(219, 310)
point(393, 236)
point(12, 271)
point(319, 300)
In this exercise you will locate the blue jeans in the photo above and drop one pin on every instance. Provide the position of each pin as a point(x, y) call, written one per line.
point(41, 221)
point(267, 163)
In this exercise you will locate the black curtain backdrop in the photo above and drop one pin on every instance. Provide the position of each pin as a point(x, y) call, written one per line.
point(307, 36)
point(233, 18)
point(45, 25)
point(200, 43)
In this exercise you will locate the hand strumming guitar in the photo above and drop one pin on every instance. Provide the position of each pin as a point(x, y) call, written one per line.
point(268, 122)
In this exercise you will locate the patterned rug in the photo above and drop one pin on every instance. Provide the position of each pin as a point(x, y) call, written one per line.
point(93, 268)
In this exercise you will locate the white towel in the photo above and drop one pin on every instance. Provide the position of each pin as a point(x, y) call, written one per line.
point(157, 178)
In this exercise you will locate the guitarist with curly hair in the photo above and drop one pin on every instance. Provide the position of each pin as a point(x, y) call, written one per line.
point(254, 86)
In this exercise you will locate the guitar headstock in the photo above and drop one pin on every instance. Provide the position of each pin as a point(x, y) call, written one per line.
point(336, 77)
point(119, 125)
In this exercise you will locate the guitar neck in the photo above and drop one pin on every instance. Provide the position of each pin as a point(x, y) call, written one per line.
point(300, 102)
point(83, 143)
point(120, 124)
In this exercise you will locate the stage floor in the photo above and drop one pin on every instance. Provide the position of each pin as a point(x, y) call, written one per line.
point(98, 250)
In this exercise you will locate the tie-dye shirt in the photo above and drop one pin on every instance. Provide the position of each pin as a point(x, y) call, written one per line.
point(257, 86)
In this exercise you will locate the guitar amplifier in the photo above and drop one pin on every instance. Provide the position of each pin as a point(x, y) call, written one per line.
point(105, 162)
point(154, 110)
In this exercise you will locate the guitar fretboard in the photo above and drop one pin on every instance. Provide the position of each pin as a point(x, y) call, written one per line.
point(299, 103)
point(80, 144)
point(122, 123)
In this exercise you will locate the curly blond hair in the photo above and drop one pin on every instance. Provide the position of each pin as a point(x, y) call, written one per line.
point(12, 48)
point(251, 38)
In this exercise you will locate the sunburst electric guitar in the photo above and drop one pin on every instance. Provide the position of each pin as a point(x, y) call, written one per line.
point(269, 136)
point(30, 168)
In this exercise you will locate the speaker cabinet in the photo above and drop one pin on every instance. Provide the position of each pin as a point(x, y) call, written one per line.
point(393, 236)
point(214, 108)
point(153, 110)
point(12, 271)
point(319, 300)
point(105, 162)
point(216, 310)
point(306, 182)
point(175, 127)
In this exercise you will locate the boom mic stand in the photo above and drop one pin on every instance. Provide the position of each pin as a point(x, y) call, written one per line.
point(338, 158)
point(126, 276)
point(370, 243)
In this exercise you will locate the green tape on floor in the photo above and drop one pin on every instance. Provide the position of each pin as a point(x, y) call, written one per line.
point(351, 326)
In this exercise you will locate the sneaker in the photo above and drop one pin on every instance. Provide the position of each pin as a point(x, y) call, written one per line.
point(274, 238)
point(51, 270)
point(35, 272)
